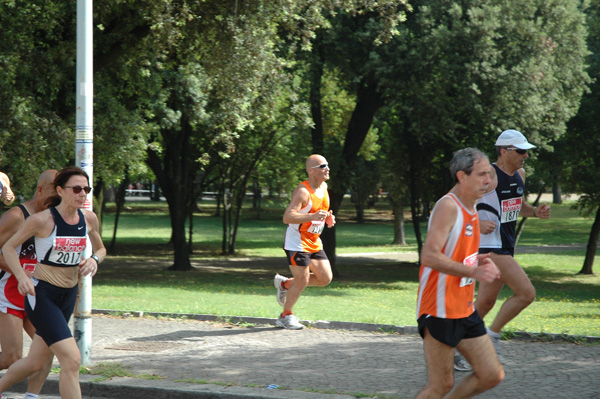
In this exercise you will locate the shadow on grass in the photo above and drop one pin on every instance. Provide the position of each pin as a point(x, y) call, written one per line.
point(247, 274)
point(255, 276)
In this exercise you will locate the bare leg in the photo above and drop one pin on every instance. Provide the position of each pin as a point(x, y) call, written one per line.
point(487, 370)
point(515, 277)
point(318, 273)
point(487, 296)
point(439, 358)
point(23, 368)
point(37, 380)
point(11, 339)
point(68, 356)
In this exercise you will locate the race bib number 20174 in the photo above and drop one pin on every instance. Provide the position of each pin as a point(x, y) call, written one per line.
point(510, 209)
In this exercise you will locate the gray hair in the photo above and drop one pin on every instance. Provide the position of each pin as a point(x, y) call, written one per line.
point(463, 160)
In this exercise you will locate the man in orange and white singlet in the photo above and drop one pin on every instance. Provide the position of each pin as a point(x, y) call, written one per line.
point(307, 215)
point(451, 264)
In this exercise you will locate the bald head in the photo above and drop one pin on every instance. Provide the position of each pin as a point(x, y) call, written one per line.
point(315, 160)
point(45, 189)
point(47, 177)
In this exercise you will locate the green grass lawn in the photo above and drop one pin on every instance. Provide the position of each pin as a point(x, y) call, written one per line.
point(135, 277)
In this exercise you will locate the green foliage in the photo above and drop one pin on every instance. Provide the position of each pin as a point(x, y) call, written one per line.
point(580, 148)
point(208, 84)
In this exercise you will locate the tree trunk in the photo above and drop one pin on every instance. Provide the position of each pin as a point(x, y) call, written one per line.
point(225, 201)
point(155, 193)
point(219, 199)
point(241, 194)
point(414, 211)
point(191, 230)
point(368, 101)
point(590, 252)
point(175, 172)
point(316, 76)
point(556, 194)
point(360, 212)
point(120, 202)
point(98, 204)
point(256, 197)
point(399, 234)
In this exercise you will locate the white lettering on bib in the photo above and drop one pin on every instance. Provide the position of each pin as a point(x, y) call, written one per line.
point(68, 250)
point(510, 209)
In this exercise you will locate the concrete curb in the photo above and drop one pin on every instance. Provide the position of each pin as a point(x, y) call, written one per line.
point(135, 388)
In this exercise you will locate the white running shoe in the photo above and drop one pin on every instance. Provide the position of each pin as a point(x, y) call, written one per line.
point(289, 322)
point(281, 292)
point(460, 363)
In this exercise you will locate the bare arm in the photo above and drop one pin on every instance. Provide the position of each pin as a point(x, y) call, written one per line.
point(442, 221)
point(89, 265)
point(9, 224)
point(299, 200)
point(39, 225)
point(528, 210)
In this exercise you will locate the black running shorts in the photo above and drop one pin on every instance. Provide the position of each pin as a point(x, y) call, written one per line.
point(297, 258)
point(452, 331)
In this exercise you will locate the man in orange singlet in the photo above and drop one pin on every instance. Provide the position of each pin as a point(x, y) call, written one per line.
point(446, 315)
point(306, 216)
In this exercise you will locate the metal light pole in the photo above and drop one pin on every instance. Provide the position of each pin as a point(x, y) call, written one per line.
point(84, 158)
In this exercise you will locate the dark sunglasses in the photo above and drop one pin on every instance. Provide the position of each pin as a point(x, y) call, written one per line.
point(322, 166)
point(77, 189)
point(517, 150)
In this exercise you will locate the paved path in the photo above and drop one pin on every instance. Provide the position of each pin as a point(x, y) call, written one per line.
point(324, 361)
point(200, 359)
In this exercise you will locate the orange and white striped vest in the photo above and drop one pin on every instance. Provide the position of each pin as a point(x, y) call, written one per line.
point(443, 295)
point(304, 237)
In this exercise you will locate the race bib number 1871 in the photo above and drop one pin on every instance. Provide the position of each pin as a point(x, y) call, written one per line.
point(510, 209)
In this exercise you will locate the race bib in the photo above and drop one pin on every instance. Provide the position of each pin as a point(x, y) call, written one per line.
point(67, 250)
point(316, 227)
point(510, 209)
point(471, 260)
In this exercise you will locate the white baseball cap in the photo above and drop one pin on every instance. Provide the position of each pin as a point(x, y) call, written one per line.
point(513, 138)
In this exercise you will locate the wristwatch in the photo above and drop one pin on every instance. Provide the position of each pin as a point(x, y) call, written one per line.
point(95, 257)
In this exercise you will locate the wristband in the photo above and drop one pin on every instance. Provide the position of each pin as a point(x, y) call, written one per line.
point(95, 257)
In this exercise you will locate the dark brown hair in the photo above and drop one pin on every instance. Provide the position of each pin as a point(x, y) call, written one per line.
point(62, 177)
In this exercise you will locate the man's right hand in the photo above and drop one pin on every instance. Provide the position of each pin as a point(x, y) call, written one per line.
point(320, 215)
point(486, 271)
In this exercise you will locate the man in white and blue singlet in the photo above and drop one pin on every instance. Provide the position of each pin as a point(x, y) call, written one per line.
point(498, 211)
